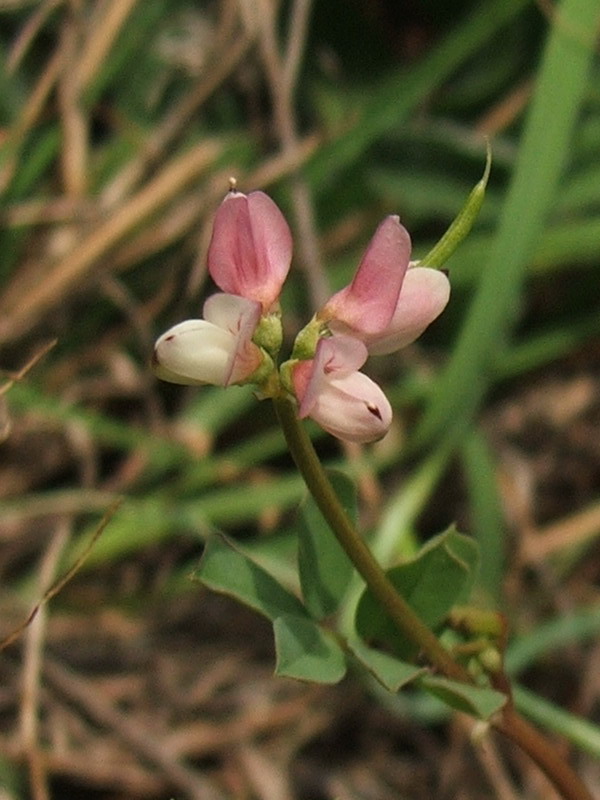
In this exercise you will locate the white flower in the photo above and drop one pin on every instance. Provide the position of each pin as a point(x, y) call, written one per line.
point(217, 349)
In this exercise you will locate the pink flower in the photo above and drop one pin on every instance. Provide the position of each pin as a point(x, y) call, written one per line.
point(342, 400)
point(251, 248)
point(217, 349)
point(366, 306)
point(390, 302)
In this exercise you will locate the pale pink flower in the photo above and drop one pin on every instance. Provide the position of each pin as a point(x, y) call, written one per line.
point(390, 301)
point(251, 248)
point(342, 400)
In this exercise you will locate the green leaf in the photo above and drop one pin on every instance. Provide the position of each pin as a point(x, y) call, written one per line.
point(579, 731)
point(325, 569)
point(392, 673)
point(307, 652)
point(577, 627)
point(487, 517)
point(224, 568)
point(479, 701)
point(441, 576)
point(386, 107)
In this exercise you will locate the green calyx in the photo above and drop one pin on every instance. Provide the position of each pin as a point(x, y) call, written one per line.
point(306, 341)
point(269, 333)
point(265, 372)
point(285, 373)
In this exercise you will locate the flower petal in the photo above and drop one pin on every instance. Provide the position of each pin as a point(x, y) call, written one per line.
point(240, 317)
point(424, 295)
point(194, 352)
point(339, 355)
point(353, 408)
point(367, 304)
point(251, 247)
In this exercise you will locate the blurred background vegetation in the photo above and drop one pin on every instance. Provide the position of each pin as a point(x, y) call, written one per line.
point(121, 122)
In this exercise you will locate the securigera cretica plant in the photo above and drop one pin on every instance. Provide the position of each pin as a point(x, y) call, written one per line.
point(389, 303)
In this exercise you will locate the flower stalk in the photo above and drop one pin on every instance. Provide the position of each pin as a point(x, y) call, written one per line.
point(395, 605)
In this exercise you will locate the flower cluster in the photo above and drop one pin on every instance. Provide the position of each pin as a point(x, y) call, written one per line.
point(389, 303)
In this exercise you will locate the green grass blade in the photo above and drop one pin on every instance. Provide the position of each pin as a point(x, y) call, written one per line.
point(391, 103)
point(486, 510)
point(545, 146)
point(579, 731)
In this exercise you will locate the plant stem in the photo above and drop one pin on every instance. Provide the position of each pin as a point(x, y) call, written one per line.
point(509, 722)
point(548, 758)
point(373, 574)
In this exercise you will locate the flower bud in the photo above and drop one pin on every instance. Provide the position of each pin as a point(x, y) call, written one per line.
point(250, 251)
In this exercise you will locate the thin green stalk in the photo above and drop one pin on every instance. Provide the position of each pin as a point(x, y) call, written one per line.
point(509, 722)
point(373, 574)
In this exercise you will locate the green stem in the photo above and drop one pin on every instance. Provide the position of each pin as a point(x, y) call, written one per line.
point(510, 723)
point(373, 574)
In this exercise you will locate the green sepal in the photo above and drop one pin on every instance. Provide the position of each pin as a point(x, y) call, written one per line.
point(479, 622)
point(263, 374)
point(286, 374)
point(269, 333)
point(305, 344)
point(306, 651)
point(462, 223)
